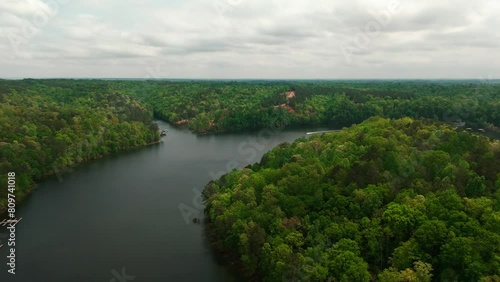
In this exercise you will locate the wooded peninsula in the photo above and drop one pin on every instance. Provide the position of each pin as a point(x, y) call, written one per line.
point(408, 190)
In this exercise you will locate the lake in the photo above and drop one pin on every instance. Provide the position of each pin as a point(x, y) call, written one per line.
point(118, 219)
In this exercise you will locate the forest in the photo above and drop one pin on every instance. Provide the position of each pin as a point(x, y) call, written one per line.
point(407, 191)
point(228, 106)
point(386, 200)
point(48, 127)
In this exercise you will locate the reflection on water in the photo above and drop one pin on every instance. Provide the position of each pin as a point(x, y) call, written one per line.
point(120, 215)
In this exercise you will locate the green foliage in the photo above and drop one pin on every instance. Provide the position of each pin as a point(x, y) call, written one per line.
point(217, 106)
point(372, 201)
point(221, 106)
point(48, 126)
point(401, 200)
point(346, 267)
point(421, 272)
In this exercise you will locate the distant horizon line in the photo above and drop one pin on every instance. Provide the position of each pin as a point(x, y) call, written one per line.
point(243, 79)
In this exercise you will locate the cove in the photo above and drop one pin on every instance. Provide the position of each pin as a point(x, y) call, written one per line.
point(118, 217)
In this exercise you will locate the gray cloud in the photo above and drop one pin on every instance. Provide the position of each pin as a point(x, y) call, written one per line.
point(250, 39)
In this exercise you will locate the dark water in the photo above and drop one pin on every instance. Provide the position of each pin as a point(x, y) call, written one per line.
point(123, 212)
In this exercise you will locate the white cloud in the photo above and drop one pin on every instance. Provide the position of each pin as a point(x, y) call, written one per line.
point(250, 39)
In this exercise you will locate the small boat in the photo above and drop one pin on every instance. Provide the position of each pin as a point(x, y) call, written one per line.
point(320, 132)
point(163, 132)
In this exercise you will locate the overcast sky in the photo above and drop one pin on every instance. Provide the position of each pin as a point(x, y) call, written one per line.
point(250, 38)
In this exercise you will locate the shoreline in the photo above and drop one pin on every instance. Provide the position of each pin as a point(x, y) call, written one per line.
point(492, 131)
point(20, 198)
point(229, 259)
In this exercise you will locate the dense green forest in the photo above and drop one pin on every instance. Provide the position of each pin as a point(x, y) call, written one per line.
point(398, 197)
point(228, 106)
point(388, 199)
point(211, 106)
point(51, 124)
point(48, 126)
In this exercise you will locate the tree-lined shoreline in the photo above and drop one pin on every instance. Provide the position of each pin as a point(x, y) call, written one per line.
point(47, 128)
point(391, 200)
point(404, 191)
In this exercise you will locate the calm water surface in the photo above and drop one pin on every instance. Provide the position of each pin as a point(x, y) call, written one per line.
point(122, 213)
